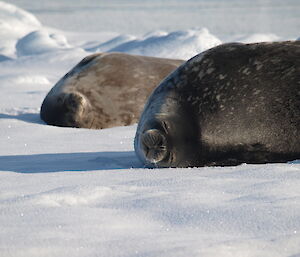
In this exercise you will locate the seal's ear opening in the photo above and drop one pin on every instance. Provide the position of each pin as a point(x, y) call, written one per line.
point(154, 145)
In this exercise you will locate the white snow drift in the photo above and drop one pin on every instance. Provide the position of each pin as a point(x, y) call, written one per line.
point(178, 44)
point(39, 42)
point(14, 23)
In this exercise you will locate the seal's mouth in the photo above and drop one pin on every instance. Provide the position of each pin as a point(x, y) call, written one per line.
point(154, 145)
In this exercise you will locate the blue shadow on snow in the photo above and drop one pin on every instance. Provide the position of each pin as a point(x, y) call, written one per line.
point(27, 117)
point(60, 162)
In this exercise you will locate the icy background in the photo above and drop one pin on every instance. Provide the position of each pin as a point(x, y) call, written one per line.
point(78, 192)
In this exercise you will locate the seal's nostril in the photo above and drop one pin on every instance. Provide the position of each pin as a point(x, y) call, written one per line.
point(154, 145)
point(153, 138)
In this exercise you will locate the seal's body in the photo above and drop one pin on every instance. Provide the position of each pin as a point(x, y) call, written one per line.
point(235, 103)
point(105, 90)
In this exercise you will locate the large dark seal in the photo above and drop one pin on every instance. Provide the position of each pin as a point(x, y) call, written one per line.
point(105, 90)
point(235, 103)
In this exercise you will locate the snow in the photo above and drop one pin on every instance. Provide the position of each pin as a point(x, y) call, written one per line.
point(80, 192)
point(258, 37)
point(39, 42)
point(178, 44)
point(15, 23)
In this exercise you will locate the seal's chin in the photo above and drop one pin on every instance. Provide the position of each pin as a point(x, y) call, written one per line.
point(154, 146)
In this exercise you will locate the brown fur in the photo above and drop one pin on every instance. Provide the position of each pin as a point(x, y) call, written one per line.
point(105, 90)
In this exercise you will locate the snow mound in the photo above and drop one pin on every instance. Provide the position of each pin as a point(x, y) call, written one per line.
point(156, 33)
point(14, 23)
point(4, 58)
point(258, 37)
point(16, 20)
point(177, 44)
point(29, 79)
point(39, 42)
point(114, 42)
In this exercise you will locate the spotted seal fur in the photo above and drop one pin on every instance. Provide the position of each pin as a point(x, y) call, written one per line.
point(235, 103)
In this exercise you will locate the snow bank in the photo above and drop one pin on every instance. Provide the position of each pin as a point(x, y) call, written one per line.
point(14, 23)
point(39, 42)
point(176, 45)
point(16, 20)
point(112, 43)
point(258, 37)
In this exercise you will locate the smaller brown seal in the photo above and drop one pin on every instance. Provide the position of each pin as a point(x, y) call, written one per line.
point(105, 90)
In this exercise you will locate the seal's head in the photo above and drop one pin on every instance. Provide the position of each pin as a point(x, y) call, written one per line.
point(68, 109)
point(167, 141)
point(154, 145)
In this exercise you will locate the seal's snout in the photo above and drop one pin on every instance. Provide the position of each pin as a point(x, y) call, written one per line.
point(74, 102)
point(67, 110)
point(154, 145)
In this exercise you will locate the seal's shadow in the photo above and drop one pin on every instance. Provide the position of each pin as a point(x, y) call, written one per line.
point(27, 117)
point(60, 162)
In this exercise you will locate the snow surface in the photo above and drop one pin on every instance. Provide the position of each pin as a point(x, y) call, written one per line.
point(79, 192)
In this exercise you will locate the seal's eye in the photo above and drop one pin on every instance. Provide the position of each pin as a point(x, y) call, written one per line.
point(154, 144)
